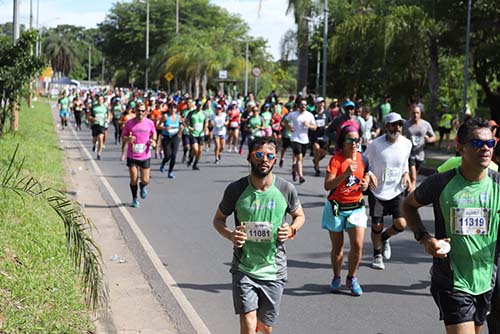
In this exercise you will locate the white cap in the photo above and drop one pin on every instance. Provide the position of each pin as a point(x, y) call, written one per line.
point(319, 99)
point(392, 117)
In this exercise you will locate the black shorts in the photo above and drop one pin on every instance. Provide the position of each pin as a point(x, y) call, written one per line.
point(143, 164)
point(444, 131)
point(379, 208)
point(98, 130)
point(299, 148)
point(414, 162)
point(196, 140)
point(322, 144)
point(186, 140)
point(285, 142)
point(456, 307)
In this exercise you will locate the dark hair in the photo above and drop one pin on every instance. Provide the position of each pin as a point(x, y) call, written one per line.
point(496, 151)
point(261, 141)
point(343, 133)
point(468, 126)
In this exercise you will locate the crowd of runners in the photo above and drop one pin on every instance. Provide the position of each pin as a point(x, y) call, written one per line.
point(375, 152)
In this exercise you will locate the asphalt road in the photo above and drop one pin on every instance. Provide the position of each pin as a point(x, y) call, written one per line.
point(177, 217)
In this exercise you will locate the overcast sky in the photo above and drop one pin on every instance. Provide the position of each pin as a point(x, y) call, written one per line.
point(271, 24)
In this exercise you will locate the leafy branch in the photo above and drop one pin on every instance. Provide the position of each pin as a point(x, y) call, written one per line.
point(84, 253)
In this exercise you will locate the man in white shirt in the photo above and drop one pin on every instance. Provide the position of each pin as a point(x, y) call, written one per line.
point(388, 158)
point(299, 122)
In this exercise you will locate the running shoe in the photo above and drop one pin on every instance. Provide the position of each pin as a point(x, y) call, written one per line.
point(241, 151)
point(135, 203)
point(378, 262)
point(144, 192)
point(317, 173)
point(386, 250)
point(281, 163)
point(196, 168)
point(335, 284)
point(171, 175)
point(162, 168)
point(98, 157)
point(294, 174)
point(302, 180)
point(93, 148)
point(353, 284)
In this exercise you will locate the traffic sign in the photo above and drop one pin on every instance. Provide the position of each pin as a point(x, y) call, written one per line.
point(169, 76)
point(256, 71)
point(222, 74)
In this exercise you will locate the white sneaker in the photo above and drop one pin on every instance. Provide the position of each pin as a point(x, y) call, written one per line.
point(378, 262)
point(386, 250)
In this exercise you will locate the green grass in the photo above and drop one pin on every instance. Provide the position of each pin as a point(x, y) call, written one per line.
point(39, 287)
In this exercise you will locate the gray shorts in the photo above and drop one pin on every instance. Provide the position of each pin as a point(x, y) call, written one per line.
point(250, 294)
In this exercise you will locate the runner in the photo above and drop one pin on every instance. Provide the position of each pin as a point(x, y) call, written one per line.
point(244, 125)
point(285, 140)
point(140, 135)
point(117, 114)
point(255, 124)
point(209, 135)
point(219, 121)
point(63, 105)
point(234, 126)
point(466, 202)
point(420, 132)
point(267, 117)
point(299, 122)
point(100, 117)
point(388, 159)
point(197, 124)
point(186, 138)
point(346, 178)
point(276, 123)
point(127, 115)
point(259, 202)
point(318, 136)
point(445, 125)
point(78, 111)
point(170, 125)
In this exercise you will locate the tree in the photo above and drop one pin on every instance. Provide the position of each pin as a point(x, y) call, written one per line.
point(60, 53)
point(17, 67)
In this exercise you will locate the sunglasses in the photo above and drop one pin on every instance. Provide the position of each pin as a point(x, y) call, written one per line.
point(479, 143)
point(352, 141)
point(303, 104)
point(141, 110)
point(400, 124)
point(260, 155)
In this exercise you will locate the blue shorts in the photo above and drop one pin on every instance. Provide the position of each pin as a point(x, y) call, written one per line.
point(341, 222)
point(64, 114)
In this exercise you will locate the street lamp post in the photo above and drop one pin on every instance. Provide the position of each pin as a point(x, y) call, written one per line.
point(466, 63)
point(246, 68)
point(146, 79)
point(325, 43)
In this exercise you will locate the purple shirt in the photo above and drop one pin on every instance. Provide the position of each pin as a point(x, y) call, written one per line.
point(142, 131)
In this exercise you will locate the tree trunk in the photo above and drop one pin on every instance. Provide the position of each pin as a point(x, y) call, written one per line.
point(197, 83)
point(303, 56)
point(433, 76)
point(204, 82)
point(14, 116)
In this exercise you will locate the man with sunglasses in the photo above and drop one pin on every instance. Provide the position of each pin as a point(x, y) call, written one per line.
point(300, 122)
point(388, 158)
point(466, 203)
point(140, 135)
point(259, 202)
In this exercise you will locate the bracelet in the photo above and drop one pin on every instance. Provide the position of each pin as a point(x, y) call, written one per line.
point(292, 232)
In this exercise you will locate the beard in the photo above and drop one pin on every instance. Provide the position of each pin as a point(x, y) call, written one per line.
point(257, 172)
point(394, 135)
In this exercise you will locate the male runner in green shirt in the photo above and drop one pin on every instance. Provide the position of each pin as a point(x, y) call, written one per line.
point(466, 203)
point(259, 202)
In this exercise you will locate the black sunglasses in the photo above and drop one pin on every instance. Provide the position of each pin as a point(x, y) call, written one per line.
point(352, 141)
point(400, 124)
point(479, 143)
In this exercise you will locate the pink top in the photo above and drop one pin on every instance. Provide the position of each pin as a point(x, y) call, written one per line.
point(138, 149)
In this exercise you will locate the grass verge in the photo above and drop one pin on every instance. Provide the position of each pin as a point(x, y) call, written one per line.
point(40, 291)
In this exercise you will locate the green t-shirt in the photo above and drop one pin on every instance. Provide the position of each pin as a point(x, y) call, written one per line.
point(267, 116)
point(263, 259)
point(64, 103)
point(100, 113)
point(117, 111)
point(465, 212)
point(445, 121)
point(185, 114)
point(254, 124)
point(198, 122)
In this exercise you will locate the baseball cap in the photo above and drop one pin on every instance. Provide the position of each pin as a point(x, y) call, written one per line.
point(218, 106)
point(132, 104)
point(349, 104)
point(392, 117)
point(320, 99)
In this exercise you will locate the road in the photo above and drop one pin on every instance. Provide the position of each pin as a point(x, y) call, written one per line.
point(176, 218)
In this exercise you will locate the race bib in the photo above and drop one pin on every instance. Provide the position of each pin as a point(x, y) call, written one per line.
point(259, 231)
point(198, 126)
point(320, 123)
point(358, 219)
point(219, 124)
point(416, 140)
point(173, 132)
point(470, 221)
point(392, 174)
point(234, 124)
point(138, 148)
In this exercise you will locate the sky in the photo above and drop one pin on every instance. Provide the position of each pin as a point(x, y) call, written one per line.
point(271, 24)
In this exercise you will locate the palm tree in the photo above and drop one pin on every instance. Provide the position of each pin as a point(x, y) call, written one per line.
point(60, 53)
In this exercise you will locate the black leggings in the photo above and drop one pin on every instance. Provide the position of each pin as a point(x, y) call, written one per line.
point(170, 146)
point(118, 131)
point(78, 118)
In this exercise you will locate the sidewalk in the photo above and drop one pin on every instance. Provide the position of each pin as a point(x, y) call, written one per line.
point(132, 307)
